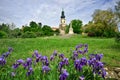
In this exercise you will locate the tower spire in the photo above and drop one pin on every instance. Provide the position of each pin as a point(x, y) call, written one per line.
point(62, 13)
point(62, 9)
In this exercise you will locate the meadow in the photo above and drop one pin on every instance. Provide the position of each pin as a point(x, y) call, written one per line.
point(24, 48)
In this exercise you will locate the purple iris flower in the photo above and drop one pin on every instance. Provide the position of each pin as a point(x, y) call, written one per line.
point(51, 57)
point(13, 74)
point(55, 53)
point(30, 71)
point(36, 53)
point(85, 50)
point(86, 45)
point(61, 64)
point(25, 65)
point(15, 66)
point(10, 49)
point(6, 54)
point(28, 63)
point(2, 61)
point(83, 61)
point(89, 62)
point(78, 65)
point(91, 56)
point(44, 59)
point(97, 67)
point(29, 60)
point(38, 58)
point(47, 63)
point(45, 69)
point(20, 61)
point(61, 56)
point(80, 51)
point(79, 46)
point(65, 61)
point(64, 75)
point(98, 56)
point(81, 78)
point(75, 55)
point(103, 73)
point(3, 55)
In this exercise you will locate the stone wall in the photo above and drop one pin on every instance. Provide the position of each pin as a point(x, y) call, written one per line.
point(112, 73)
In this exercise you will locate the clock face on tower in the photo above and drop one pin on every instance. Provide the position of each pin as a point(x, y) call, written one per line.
point(62, 20)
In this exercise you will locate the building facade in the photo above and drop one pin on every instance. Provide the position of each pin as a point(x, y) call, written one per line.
point(62, 25)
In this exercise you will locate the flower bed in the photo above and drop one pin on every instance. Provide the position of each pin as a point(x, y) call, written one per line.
point(57, 67)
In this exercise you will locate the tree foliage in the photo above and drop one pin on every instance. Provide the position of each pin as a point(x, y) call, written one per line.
point(117, 12)
point(5, 28)
point(16, 33)
point(3, 34)
point(28, 35)
point(57, 32)
point(76, 25)
point(28, 31)
point(67, 29)
point(47, 30)
point(117, 9)
point(103, 24)
point(33, 24)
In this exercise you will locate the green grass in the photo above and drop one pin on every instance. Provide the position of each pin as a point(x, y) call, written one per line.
point(24, 48)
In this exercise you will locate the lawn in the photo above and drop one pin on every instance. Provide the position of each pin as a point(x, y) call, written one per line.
point(24, 48)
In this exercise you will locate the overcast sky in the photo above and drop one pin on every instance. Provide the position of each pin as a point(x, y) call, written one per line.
point(48, 12)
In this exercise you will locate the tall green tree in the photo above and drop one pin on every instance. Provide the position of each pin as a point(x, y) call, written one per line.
point(117, 12)
point(117, 9)
point(47, 30)
point(33, 24)
point(5, 28)
point(76, 25)
point(26, 29)
point(16, 33)
point(104, 23)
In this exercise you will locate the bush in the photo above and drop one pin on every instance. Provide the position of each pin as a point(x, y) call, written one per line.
point(3, 34)
point(117, 37)
point(39, 34)
point(28, 35)
point(91, 34)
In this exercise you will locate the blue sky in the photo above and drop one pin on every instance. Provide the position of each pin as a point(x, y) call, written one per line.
point(21, 12)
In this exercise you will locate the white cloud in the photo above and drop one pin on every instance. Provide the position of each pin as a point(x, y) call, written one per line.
point(49, 11)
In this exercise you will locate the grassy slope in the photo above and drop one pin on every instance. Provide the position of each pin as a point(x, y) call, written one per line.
point(24, 48)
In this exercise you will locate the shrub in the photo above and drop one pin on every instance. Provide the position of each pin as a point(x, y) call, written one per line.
point(3, 34)
point(28, 35)
point(91, 34)
point(117, 37)
point(39, 34)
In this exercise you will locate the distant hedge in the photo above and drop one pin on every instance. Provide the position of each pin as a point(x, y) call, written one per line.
point(3, 34)
point(28, 35)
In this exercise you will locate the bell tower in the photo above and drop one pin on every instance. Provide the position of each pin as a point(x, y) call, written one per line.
point(62, 23)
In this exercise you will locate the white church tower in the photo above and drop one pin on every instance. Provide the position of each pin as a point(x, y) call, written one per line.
point(62, 25)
